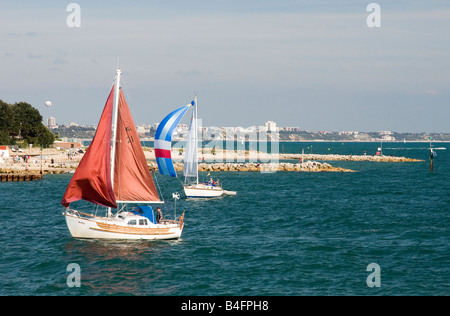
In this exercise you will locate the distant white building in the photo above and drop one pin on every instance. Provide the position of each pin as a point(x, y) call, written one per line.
point(386, 136)
point(290, 129)
point(271, 126)
point(51, 122)
point(348, 133)
point(140, 130)
point(180, 131)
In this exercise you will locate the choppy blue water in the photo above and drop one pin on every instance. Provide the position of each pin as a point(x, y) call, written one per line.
point(285, 233)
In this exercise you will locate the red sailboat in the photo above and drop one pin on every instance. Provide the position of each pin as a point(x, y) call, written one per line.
point(114, 172)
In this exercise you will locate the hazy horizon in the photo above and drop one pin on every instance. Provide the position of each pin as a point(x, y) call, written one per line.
point(314, 65)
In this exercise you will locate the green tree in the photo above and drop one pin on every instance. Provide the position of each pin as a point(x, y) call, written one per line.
point(6, 116)
point(22, 121)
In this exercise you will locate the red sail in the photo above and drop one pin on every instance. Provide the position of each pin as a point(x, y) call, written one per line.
point(133, 181)
point(92, 179)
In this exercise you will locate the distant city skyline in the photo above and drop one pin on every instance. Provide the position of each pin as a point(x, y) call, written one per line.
point(269, 126)
point(314, 65)
point(76, 132)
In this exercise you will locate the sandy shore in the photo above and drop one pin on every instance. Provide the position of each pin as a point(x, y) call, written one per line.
point(59, 161)
point(62, 163)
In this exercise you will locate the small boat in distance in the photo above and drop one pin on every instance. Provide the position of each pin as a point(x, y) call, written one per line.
point(192, 187)
point(113, 173)
point(163, 145)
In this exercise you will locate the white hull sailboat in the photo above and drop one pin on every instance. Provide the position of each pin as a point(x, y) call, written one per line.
point(125, 225)
point(163, 140)
point(114, 172)
point(202, 190)
point(192, 187)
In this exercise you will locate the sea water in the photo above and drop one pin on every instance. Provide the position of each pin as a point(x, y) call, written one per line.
point(284, 233)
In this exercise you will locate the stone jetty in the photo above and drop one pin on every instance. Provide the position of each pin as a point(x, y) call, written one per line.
point(375, 158)
point(307, 166)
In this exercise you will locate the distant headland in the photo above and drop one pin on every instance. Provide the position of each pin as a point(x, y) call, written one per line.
point(282, 134)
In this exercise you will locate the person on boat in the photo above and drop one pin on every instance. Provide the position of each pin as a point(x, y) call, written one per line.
point(211, 182)
point(159, 215)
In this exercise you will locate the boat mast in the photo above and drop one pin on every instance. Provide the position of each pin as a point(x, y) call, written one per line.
point(114, 134)
point(196, 138)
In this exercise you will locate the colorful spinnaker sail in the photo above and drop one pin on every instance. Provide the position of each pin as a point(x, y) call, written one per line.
point(163, 140)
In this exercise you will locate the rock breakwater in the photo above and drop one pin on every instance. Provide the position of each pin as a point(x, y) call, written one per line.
point(348, 158)
point(307, 166)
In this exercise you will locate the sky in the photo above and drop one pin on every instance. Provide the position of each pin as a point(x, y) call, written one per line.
point(312, 64)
